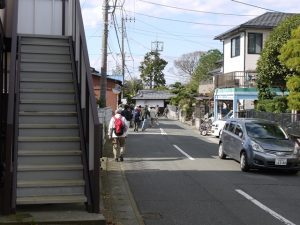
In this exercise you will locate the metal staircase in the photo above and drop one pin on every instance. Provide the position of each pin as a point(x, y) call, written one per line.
point(50, 167)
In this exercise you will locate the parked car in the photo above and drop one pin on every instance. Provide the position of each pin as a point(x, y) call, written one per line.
point(217, 126)
point(257, 143)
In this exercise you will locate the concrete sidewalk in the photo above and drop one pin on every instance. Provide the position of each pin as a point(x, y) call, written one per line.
point(118, 205)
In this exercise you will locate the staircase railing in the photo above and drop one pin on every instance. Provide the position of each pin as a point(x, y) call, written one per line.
point(91, 126)
point(8, 191)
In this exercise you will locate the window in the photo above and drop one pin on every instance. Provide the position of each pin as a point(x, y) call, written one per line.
point(235, 46)
point(238, 130)
point(254, 43)
point(231, 127)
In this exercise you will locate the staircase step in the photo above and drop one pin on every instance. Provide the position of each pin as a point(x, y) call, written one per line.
point(51, 199)
point(47, 80)
point(47, 113)
point(38, 66)
point(49, 145)
point(43, 43)
point(54, 49)
point(55, 61)
point(49, 126)
point(34, 56)
point(48, 117)
point(52, 102)
point(48, 152)
point(39, 90)
point(50, 183)
point(62, 167)
point(49, 139)
point(44, 40)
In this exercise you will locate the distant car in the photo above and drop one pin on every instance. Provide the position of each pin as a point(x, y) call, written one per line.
point(258, 143)
point(217, 126)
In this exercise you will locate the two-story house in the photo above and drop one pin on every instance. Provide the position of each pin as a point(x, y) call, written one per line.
point(242, 46)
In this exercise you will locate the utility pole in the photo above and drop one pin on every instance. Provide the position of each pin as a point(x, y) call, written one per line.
point(123, 57)
point(103, 82)
point(156, 46)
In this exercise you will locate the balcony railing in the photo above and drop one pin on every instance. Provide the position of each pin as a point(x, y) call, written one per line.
point(244, 79)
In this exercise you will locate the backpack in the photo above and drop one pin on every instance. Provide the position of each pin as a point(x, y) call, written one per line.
point(119, 126)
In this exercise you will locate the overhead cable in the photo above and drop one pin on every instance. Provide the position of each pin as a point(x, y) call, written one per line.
point(194, 10)
point(184, 21)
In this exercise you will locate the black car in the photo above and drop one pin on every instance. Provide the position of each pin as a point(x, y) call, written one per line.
point(258, 143)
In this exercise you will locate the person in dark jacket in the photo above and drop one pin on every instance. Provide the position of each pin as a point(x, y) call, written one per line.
point(128, 116)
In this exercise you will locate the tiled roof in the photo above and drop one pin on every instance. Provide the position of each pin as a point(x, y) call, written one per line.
point(153, 94)
point(268, 21)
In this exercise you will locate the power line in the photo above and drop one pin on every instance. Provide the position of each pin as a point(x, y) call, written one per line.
point(255, 6)
point(174, 34)
point(194, 10)
point(115, 26)
point(184, 21)
point(184, 39)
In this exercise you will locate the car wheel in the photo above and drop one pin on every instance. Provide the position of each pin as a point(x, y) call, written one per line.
point(244, 162)
point(221, 153)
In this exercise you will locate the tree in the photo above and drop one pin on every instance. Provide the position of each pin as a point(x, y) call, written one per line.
point(272, 73)
point(290, 52)
point(187, 63)
point(207, 63)
point(131, 87)
point(152, 70)
point(290, 57)
point(293, 85)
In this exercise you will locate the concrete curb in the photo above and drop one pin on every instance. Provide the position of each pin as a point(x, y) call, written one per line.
point(119, 207)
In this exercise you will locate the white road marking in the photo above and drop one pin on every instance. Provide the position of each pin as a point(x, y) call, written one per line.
point(183, 152)
point(265, 208)
point(162, 131)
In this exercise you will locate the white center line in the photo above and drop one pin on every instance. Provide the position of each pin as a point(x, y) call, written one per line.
point(183, 152)
point(265, 208)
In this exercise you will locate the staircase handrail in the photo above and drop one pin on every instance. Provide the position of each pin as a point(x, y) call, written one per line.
point(92, 126)
point(10, 153)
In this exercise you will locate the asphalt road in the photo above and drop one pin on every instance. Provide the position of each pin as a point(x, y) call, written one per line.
point(176, 178)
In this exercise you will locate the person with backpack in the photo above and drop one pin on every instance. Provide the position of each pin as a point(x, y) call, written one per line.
point(117, 132)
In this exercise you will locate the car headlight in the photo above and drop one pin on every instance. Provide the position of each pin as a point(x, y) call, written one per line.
point(256, 147)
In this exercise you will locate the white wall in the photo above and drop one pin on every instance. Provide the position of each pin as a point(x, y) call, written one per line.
point(234, 63)
point(41, 17)
point(150, 103)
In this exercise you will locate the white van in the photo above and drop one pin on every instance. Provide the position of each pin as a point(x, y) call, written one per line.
point(218, 125)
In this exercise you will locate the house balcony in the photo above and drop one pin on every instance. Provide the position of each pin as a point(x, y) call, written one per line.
point(236, 79)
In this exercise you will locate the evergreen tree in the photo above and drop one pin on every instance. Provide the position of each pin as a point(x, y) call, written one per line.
point(152, 70)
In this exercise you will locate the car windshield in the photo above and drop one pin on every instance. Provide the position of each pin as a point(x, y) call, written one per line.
point(265, 130)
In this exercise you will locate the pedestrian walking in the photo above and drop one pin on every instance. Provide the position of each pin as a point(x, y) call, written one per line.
point(128, 116)
point(137, 118)
point(117, 132)
point(153, 116)
point(145, 116)
point(165, 113)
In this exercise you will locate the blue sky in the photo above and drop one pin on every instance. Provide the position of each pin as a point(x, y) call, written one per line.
point(182, 26)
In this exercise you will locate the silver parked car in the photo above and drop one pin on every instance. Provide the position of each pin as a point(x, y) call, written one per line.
point(258, 143)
